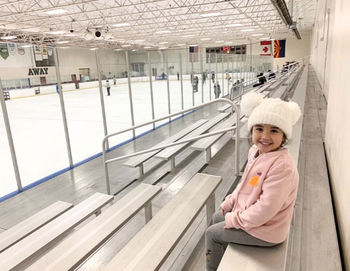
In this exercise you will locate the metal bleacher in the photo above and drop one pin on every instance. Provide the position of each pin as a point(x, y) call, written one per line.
point(184, 245)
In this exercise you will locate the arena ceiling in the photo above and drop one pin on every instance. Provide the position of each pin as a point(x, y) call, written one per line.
point(149, 24)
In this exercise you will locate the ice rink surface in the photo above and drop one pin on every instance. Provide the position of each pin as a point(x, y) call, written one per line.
point(38, 133)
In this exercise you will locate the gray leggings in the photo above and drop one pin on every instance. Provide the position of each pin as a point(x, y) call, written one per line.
point(217, 238)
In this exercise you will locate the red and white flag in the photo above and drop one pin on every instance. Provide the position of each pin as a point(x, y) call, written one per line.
point(266, 48)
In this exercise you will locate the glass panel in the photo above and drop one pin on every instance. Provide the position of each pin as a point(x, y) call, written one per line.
point(140, 86)
point(36, 121)
point(7, 175)
point(159, 84)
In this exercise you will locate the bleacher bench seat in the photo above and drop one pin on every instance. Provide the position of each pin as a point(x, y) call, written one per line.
point(150, 247)
point(73, 250)
point(31, 224)
point(138, 160)
point(170, 152)
point(38, 240)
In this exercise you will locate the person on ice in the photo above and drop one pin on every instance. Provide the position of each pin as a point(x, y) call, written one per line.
point(108, 86)
point(217, 90)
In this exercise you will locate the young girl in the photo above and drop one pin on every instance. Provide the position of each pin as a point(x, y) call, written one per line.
point(260, 209)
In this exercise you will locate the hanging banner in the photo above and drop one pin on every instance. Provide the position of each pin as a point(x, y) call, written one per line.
point(4, 53)
point(12, 48)
point(44, 51)
point(37, 53)
point(20, 50)
point(193, 54)
point(279, 48)
point(265, 48)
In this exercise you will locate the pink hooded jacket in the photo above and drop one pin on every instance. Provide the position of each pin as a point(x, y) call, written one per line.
point(263, 202)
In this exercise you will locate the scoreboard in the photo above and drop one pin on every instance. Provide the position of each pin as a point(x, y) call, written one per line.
point(237, 49)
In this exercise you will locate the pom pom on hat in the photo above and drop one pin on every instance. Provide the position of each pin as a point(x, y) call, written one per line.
point(295, 111)
point(272, 111)
point(249, 102)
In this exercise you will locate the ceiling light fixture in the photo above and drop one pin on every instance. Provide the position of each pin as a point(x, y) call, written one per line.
point(62, 42)
point(56, 11)
point(163, 42)
point(8, 37)
point(247, 30)
point(121, 24)
point(59, 32)
point(257, 35)
point(212, 14)
point(163, 32)
point(205, 39)
point(126, 45)
point(93, 49)
point(233, 25)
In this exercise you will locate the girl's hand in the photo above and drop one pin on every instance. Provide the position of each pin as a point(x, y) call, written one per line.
point(222, 211)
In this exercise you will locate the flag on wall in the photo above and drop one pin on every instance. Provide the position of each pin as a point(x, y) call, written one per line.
point(193, 53)
point(265, 48)
point(279, 48)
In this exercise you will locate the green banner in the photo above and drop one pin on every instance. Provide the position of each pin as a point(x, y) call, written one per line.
point(4, 52)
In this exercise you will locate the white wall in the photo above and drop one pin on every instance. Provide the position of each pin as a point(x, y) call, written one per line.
point(295, 49)
point(332, 68)
point(70, 60)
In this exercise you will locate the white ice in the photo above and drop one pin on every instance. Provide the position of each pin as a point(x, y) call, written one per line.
point(38, 134)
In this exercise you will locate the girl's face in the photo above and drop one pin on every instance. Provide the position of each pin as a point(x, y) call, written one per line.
point(267, 137)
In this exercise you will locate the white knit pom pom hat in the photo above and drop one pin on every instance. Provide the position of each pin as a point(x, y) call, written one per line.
point(272, 111)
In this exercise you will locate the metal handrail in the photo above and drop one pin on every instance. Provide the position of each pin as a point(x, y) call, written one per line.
point(235, 108)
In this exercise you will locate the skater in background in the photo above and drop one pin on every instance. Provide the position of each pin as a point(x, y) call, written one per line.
point(114, 80)
point(234, 89)
point(204, 77)
point(108, 86)
point(178, 76)
point(217, 90)
point(229, 79)
point(228, 76)
point(213, 77)
point(195, 83)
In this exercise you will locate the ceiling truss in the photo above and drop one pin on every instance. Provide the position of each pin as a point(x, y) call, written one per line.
point(154, 24)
